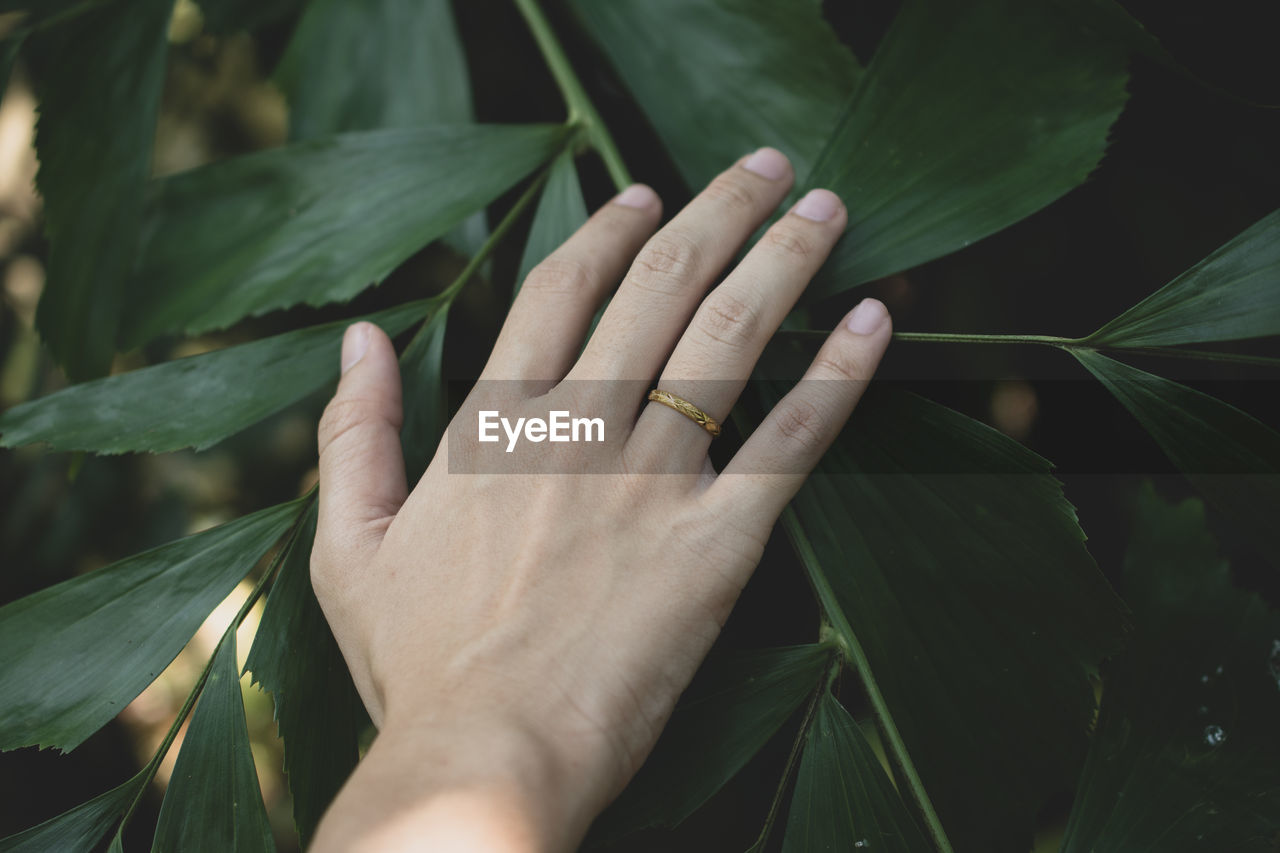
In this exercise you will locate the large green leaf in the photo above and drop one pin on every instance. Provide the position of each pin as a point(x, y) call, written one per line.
point(295, 657)
point(1232, 294)
point(381, 63)
point(213, 802)
point(1186, 755)
point(731, 710)
point(561, 211)
point(76, 653)
point(77, 830)
point(946, 554)
point(314, 222)
point(1230, 456)
point(970, 117)
point(99, 77)
point(720, 78)
point(843, 800)
point(195, 401)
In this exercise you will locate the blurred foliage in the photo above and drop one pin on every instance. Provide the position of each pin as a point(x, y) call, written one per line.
point(944, 556)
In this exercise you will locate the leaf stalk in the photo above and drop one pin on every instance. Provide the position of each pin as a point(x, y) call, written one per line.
point(582, 112)
point(853, 652)
point(496, 236)
point(950, 338)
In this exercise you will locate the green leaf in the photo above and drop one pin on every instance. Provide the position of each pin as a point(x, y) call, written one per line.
point(731, 710)
point(314, 222)
point(720, 78)
point(1230, 456)
point(970, 117)
point(195, 401)
point(376, 64)
point(94, 138)
point(561, 211)
point(381, 63)
point(213, 801)
point(843, 800)
point(943, 551)
point(78, 652)
point(1232, 294)
point(1185, 757)
point(78, 830)
point(296, 659)
point(426, 403)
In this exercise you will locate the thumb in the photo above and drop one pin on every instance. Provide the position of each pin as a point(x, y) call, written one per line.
point(362, 484)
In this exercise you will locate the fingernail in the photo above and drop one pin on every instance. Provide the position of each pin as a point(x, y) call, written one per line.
point(355, 341)
point(818, 205)
point(768, 163)
point(636, 195)
point(867, 317)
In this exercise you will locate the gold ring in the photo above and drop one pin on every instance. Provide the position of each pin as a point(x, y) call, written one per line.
point(689, 410)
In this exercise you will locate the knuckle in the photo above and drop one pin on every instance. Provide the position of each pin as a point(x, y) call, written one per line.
point(560, 275)
point(731, 191)
point(729, 320)
point(668, 260)
point(835, 364)
point(345, 414)
point(800, 422)
point(788, 241)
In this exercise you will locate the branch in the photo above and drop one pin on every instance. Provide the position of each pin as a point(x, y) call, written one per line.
point(582, 112)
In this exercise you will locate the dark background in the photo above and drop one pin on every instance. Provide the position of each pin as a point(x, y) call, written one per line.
point(1193, 161)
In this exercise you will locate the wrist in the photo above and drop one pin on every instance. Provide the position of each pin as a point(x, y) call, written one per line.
point(437, 785)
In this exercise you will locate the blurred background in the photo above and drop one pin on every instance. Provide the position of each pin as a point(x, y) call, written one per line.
point(1188, 168)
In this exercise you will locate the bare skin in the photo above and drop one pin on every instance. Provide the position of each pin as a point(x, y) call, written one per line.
point(521, 639)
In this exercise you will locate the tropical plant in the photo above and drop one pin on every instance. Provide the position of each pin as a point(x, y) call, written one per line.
point(950, 570)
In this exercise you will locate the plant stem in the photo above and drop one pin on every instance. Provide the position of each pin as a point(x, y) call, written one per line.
point(582, 112)
point(149, 772)
point(847, 642)
point(949, 338)
point(445, 298)
point(500, 231)
point(956, 338)
point(1061, 343)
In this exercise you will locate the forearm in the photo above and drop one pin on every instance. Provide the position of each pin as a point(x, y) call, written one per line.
point(432, 788)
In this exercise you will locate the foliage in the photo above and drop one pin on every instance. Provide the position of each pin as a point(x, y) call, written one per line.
point(949, 567)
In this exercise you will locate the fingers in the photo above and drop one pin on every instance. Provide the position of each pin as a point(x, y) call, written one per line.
point(771, 466)
point(716, 354)
point(544, 331)
point(674, 269)
point(362, 482)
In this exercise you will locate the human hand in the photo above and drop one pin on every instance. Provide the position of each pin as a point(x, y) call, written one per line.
point(520, 639)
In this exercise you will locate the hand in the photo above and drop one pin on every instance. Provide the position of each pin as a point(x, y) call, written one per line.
point(520, 639)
